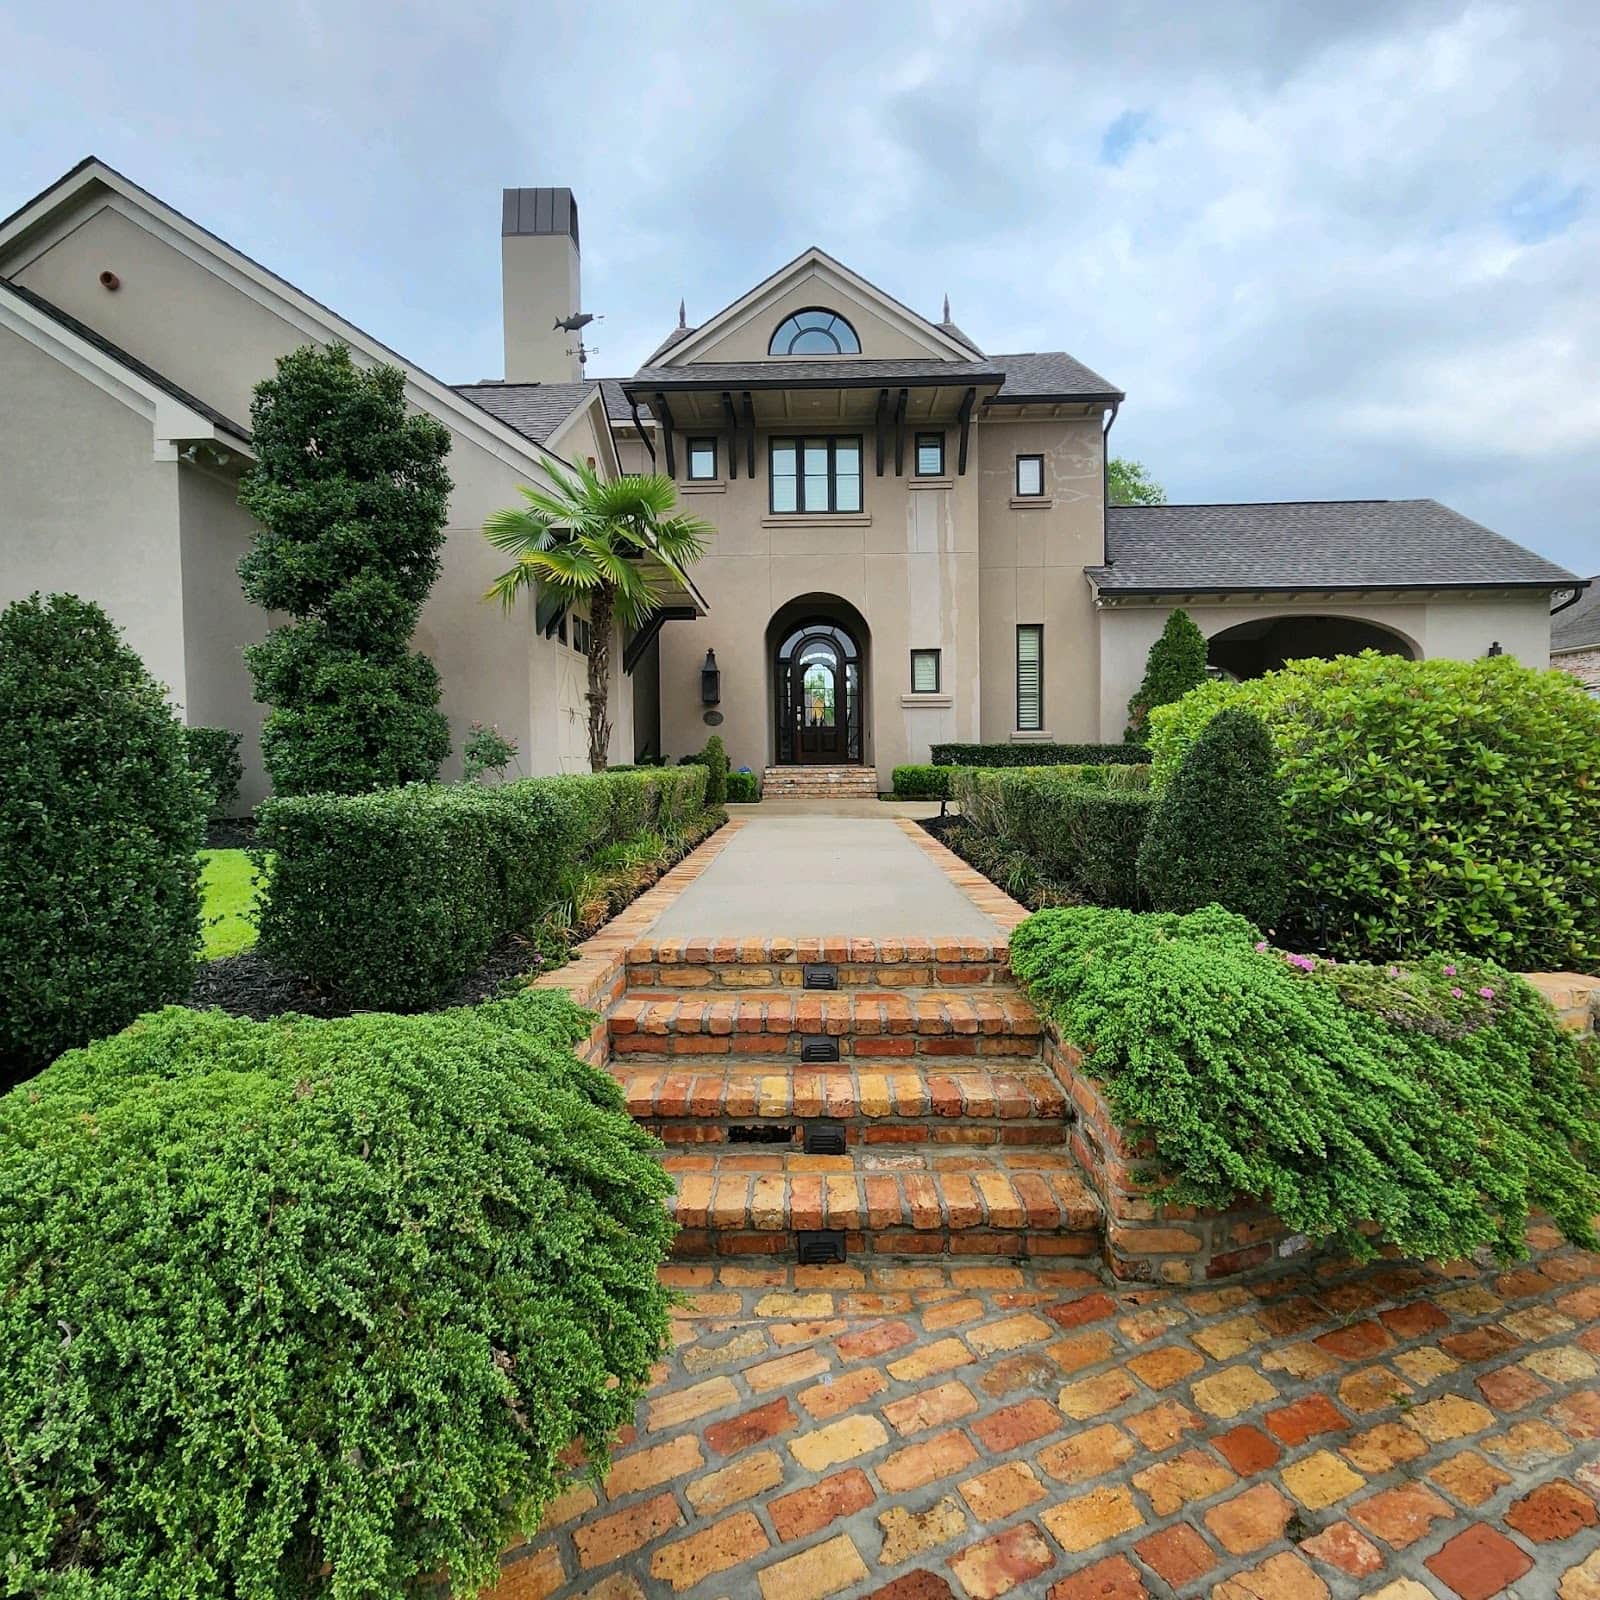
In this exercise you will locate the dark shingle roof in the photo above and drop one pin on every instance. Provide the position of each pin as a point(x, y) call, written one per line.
point(1578, 627)
point(123, 359)
point(538, 409)
point(677, 336)
point(951, 331)
point(1050, 375)
point(1314, 544)
point(1039, 376)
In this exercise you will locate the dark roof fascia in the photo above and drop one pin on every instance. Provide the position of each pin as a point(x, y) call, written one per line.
point(644, 389)
point(131, 363)
point(1099, 577)
point(321, 305)
point(1103, 396)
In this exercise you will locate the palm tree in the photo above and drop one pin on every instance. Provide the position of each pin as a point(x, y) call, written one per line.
point(615, 542)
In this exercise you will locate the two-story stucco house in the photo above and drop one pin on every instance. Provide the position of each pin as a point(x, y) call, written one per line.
point(912, 542)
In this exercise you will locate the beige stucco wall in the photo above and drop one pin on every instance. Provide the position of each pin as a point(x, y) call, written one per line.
point(188, 321)
point(217, 619)
point(539, 286)
point(1033, 556)
point(84, 506)
point(1459, 626)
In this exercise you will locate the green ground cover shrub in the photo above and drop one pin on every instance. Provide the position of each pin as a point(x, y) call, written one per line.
point(230, 882)
point(921, 782)
point(744, 788)
point(214, 758)
point(1438, 1099)
point(100, 819)
point(389, 899)
point(1039, 755)
point(1216, 834)
point(299, 1295)
point(1070, 831)
point(1428, 805)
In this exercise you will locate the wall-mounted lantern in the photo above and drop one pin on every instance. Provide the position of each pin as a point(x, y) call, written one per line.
point(1495, 649)
point(710, 680)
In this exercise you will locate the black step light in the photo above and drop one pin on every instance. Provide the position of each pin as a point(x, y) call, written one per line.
point(818, 1047)
point(819, 975)
point(820, 1247)
point(824, 1138)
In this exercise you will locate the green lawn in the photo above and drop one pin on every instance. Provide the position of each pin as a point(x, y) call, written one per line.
point(228, 911)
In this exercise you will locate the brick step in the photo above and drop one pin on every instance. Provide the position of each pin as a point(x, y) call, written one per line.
point(884, 1024)
point(730, 1101)
point(819, 782)
point(781, 963)
point(993, 1202)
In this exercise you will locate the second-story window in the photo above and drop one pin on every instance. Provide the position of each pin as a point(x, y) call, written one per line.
point(1030, 477)
point(702, 460)
point(816, 475)
point(930, 455)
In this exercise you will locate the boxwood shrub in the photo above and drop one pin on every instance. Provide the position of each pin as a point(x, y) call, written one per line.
point(389, 899)
point(1437, 1099)
point(312, 1308)
point(1079, 827)
point(214, 758)
point(100, 824)
point(922, 783)
point(744, 788)
point(1429, 805)
point(1039, 755)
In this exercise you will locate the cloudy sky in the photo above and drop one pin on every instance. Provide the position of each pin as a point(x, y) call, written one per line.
point(1328, 250)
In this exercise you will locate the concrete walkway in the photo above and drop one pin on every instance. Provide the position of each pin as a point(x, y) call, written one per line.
point(836, 868)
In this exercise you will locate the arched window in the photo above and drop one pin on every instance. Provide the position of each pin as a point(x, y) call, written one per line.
point(814, 332)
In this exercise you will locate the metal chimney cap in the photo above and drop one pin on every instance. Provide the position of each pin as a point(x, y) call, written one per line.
point(538, 211)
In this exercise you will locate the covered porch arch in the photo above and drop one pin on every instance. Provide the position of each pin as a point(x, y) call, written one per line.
point(817, 654)
point(1264, 644)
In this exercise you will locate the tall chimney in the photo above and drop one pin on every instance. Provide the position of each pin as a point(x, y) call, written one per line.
point(539, 284)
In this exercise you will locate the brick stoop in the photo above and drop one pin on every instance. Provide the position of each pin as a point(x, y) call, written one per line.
point(819, 783)
point(948, 1129)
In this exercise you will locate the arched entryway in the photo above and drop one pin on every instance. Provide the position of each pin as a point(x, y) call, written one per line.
point(817, 647)
point(1249, 649)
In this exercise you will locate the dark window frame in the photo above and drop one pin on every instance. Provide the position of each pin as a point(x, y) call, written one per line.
point(916, 454)
point(799, 441)
point(1036, 628)
point(1016, 482)
point(794, 316)
point(701, 441)
point(938, 671)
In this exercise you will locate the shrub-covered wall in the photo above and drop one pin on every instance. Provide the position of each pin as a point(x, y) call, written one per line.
point(1429, 805)
point(301, 1295)
point(1437, 1099)
point(1078, 827)
point(100, 824)
point(214, 758)
point(1039, 755)
point(391, 898)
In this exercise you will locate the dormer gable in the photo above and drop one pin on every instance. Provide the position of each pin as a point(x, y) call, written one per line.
point(815, 309)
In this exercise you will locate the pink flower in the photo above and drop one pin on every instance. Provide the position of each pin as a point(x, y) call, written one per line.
point(1394, 972)
point(1449, 972)
point(1261, 944)
point(1455, 994)
point(1487, 992)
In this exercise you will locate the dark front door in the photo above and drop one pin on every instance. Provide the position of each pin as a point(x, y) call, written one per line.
point(818, 675)
point(820, 700)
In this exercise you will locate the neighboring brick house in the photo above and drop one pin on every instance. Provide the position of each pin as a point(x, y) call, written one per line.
point(1575, 638)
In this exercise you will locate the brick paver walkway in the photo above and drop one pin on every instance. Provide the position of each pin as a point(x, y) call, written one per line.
point(916, 1432)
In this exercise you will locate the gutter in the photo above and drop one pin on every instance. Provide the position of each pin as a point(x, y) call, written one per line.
point(1573, 598)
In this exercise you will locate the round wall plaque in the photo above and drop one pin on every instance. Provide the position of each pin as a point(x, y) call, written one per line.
point(713, 719)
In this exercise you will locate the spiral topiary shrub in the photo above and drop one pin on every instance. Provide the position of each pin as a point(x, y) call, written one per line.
point(100, 824)
point(1216, 834)
point(1428, 805)
point(311, 1309)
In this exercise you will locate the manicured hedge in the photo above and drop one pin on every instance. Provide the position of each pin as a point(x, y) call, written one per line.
point(1079, 827)
point(1438, 1099)
point(310, 1308)
point(214, 759)
point(1039, 755)
point(744, 788)
point(922, 783)
point(100, 822)
point(389, 899)
point(1429, 805)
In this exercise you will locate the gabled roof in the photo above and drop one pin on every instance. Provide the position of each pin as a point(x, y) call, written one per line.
point(834, 373)
point(1042, 375)
point(1310, 544)
point(748, 304)
point(301, 310)
point(122, 359)
point(1578, 627)
point(539, 409)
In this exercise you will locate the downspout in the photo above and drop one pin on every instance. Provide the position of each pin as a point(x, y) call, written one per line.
point(1105, 459)
point(1573, 598)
